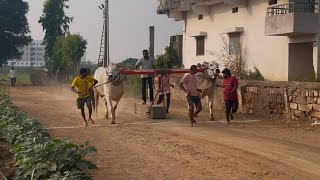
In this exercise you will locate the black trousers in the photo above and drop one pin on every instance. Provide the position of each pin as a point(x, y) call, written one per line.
point(13, 81)
point(161, 97)
point(145, 81)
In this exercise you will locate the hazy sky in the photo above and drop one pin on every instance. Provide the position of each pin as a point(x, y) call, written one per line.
point(129, 21)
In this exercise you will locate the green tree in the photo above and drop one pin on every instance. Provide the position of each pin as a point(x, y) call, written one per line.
point(128, 63)
point(169, 59)
point(68, 51)
point(14, 29)
point(55, 24)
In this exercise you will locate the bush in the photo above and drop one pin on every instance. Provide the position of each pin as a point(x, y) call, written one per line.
point(37, 156)
point(251, 75)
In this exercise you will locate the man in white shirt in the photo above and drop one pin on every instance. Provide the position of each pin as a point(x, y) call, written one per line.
point(12, 76)
point(146, 63)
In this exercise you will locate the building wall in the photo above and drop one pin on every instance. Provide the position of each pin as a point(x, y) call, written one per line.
point(33, 55)
point(268, 53)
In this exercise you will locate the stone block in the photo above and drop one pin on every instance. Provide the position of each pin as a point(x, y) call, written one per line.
point(316, 93)
point(297, 113)
point(309, 107)
point(315, 100)
point(293, 106)
point(310, 93)
point(252, 89)
point(316, 114)
point(316, 107)
point(156, 111)
point(318, 101)
point(309, 100)
point(294, 118)
point(302, 107)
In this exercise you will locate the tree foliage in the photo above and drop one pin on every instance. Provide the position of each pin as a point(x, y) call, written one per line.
point(128, 63)
point(169, 59)
point(55, 24)
point(68, 50)
point(14, 29)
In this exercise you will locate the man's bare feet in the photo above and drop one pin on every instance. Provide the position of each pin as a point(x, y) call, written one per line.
point(91, 120)
point(85, 124)
point(194, 121)
point(228, 121)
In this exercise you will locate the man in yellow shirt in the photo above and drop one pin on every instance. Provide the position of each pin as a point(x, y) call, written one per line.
point(91, 82)
point(80, 86)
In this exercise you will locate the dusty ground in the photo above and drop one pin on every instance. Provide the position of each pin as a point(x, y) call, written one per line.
point(137, 148)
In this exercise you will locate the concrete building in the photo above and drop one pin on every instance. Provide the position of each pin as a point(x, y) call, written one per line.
point(280, 37)
point(33, 55)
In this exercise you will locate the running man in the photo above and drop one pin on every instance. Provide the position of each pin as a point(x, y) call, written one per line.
point(80, 86)
point(188, 84)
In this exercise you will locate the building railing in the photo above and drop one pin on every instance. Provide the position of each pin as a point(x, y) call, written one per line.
point(293, 7)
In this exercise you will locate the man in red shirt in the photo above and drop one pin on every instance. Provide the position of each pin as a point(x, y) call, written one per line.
point(230, 85)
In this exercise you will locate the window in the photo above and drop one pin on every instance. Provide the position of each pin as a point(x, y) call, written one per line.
point(234, 43)
point(200, 17)
point(41, 64)
point(21, 63)
point(272, 2)
point(200, 45)
point(235, 10)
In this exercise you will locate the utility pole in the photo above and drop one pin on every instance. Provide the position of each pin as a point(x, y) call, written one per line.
point(151, 39)
point(106, 59)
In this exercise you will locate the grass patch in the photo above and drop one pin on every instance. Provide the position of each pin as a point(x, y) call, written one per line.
point(22, 78)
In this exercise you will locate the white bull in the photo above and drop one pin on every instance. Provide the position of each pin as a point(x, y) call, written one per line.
point(110, 86)
point(206, 82)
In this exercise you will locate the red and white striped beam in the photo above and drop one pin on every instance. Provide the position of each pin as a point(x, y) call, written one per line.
point(158, 71)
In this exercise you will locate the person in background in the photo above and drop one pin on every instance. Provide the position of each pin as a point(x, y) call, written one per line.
point(60, 77)
point(164, 89)
point(80, 86)
point(91, 83)
point(146, 63)
point(188, 84)
point(230, 85)
point(12, 76)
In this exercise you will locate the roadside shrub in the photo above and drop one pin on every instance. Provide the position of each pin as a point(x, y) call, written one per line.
point(252, 75)
point(37, 156)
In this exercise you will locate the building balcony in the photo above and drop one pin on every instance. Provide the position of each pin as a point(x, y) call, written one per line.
point(165, 6)
point(292, 19)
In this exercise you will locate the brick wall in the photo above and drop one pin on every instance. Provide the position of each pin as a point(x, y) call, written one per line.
point(292, 100)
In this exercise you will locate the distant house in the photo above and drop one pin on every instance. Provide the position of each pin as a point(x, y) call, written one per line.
point(281, 37)
point(33, 55)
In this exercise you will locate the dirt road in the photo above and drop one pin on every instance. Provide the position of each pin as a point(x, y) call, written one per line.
point(137, 148)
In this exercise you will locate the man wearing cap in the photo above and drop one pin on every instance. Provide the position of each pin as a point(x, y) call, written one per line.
point(230, 85)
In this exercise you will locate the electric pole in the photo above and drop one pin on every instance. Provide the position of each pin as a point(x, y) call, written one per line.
point(106, 59)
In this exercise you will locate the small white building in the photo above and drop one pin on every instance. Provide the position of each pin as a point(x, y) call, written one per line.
point(33, 55)
point(280, 37)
